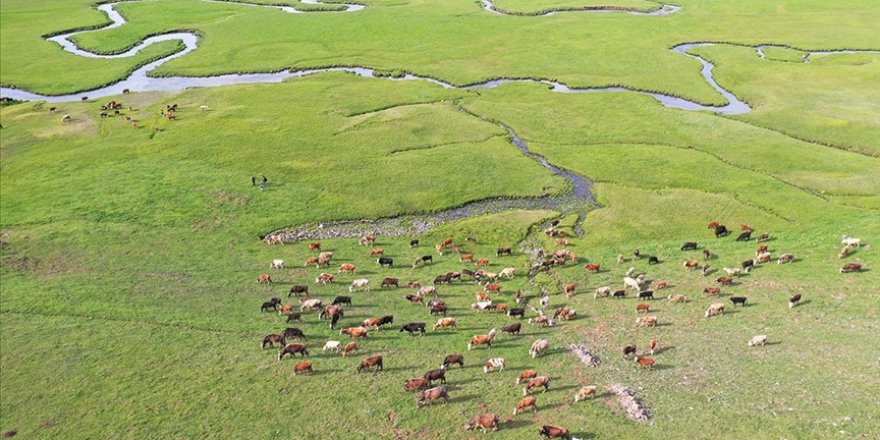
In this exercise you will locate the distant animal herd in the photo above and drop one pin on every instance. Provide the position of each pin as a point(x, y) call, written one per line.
point(431, 388)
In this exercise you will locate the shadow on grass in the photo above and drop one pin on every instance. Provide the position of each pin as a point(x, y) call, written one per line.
point(514, 424)
point(664, 349)
point(465, 398)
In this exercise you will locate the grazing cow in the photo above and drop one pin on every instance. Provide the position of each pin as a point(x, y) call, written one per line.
point(712, 291)
point(423, 260)
point(715, 309)
point(349, 348)
point(385, 261)
point(271, 340)
point(745, 228)
point(845, 251)
point(484, 422)
point(747, 265)
point(561, 242)
point(322, 262)
point(331, 346)
point(428, 290)
point(653, 260)
point(643, 308)
point(430, 396)
point(481, 305)
point(370, 323)
point(294, 317)
point(264, 278)
point(634, 283)
point(478, 340)
point(738, 300)
point(647, 294)
point(507, 272)
point(732, 271)
point(292, 350)
point(539, 347)
point(366, 240)
point(569, 289)
point(438, 308)
point(359, 284)
point(645, 362)
point(512, 329)
point(415, 299)
point(763, 258)
point(691, 264)
point(354, 332)
point(310, 261)
point(302, 368)
point(466, 258)
point(565, 313)
point(721, 231)
point(452, 359)
point(619, 294)
point(763, 237)
point(713, 225)
point(414, 328)
point(324, 278)
point(630, 272)
point(438, 374)
point(492, 364)
point(526, 375)
point(494, 288)
point(689, 246)
point(298, 290)
point(677, 298)
point(482, 262)
point(347, 268)
point(706, 270)
point(276, 264)
point(503, 251)
point(851, 267)
point(285, 308)
point(293, 333)
point(269, 305)
point(271, 239)
point(341, 300)
point(537, 382)
point(500, 308)
point(390, 282)
point(758, 340)
point(646, 321)
point(309, 304)
point(542, 319)
point(528, 402)
point(628, 351)
point(761, 249)
point(706, 254)
point(375, 252)
point(416, 384)
point(794, 300)
point(550, 431)
point(385, 320)
point(851, 241)
point(603, 291)
point(315, 246)
point(725, 281)
point(652, 345)
point(582, 394)
point(785, 258)
point(745, 236)
point(371, 362)
point(592, 267)
point(413, 243)
point(661, 284)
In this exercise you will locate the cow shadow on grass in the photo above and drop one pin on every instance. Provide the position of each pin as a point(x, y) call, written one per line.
point(664, 349)
point(565, 388)
point(519, 423)
point(464, 398)
point(803, 303)
point(661, 367)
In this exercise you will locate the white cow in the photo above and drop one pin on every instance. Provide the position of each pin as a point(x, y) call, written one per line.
point(494, 363)
point(507, 272)
point(359, 284)
point(758, 340)
point(633, 283)
point(331, 345)
point(538, 347)
point(853, 241)
point(277, 264)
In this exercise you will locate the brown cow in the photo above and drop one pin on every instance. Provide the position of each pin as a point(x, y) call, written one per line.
point(661, 284)
point(324, 278)
point(303, 367)
point(292, 350)
point(271, 340)
point(285, 309)
point(589, 390)
point(646, 321)
point(550, 431)
point(264, 278)
point(482, 262)
point(482, 296)
point(482, 340)
point(763, 237)
point(745, 228)
point(569, 289)
point(372, 361)
point(315, 246)
point(538, 382)
point(466, 258)
point(652, 345)
point(430, 396)
point(528, 402)
point(645, 362)
point(642, 307)
point(713, 225)
point(494, 288)
point(484, 422)
point(691, 264)
point(371, 322)
point(851, 267)
point(349, 348)
point(416, 384)
point(347, 268)
point(444, 323)
point(724, 281)
point(367, 240)
point(354, 332)
point(526, 375)
point(376, 252)
point(712, 291)
point(592, 267)
point(761, 249)
point(311, 260)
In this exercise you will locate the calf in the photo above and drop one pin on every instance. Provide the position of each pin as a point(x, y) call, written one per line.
point(484, 422)
point(645, 362)
point(512, 329)
point(794, 300)
point(550, 431)
point(528, 402)
point(439, 374)
point(758, 340)
point(377, 252)
point(689, 246)
point(414, 328)
point(316, 246)
point(292, 350)
point(371, 362)
point(432, 395)
point(539, 347)
point(385, 261)
point(713, 224)
point(285, 308)
point(538, 382)
point(302, 368)
point(271, 340)
point(452, 359)
point(416, 384)
point(482, 262)
point(851, 267)
point(628, 351)
point(647, 294)
point(492, 364)
point(293, 333)
point(390, 282)
point(738, 300)
point(582, 394)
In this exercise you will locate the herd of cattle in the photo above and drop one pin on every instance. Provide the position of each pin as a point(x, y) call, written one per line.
point(431, 386)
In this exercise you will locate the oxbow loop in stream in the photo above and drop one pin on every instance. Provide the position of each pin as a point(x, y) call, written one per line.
point(807, 54)
point(139, 81)
point(489, 5)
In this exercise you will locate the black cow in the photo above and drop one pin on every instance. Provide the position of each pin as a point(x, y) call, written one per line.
point(745, 236)
point(738, 300)
point(342, 300)
point(293, 332)
point(636, 254)
point(413, 328)
point(653, 260)
point(648, 294)
point(452, 359)
point(298, 290)
point(433, 375)
point(441, 279)
point(387, 319)
point(512, 329)
point(427, 259)
point(467, 272)
point(619, 294)
point(721, 231)
point(503, 251)
point(748, 264)
point(519, 311)
point(628, 351)
point(334, 319)
point(385, 261)
point(413, 243)
point(269, 305)
point(689, 246)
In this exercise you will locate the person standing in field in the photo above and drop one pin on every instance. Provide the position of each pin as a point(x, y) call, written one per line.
point(265, 183)
point(253, 180)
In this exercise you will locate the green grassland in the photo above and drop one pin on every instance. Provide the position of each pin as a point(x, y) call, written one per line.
point(128, 257)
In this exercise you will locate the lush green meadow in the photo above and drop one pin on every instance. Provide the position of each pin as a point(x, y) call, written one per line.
point(129, 254)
